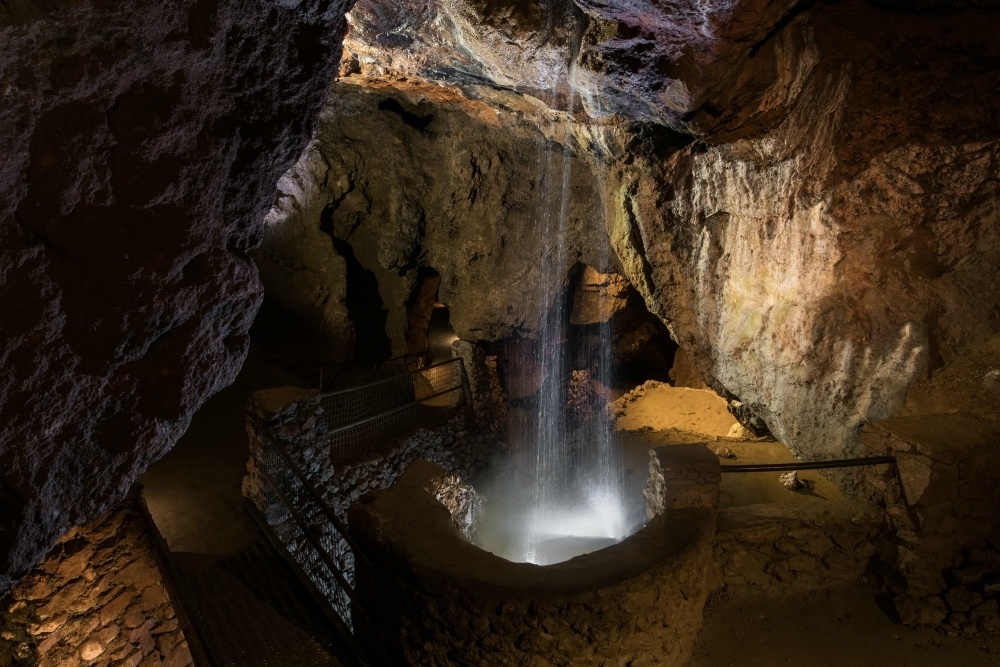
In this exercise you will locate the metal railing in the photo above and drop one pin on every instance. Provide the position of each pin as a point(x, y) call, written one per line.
point(203, 651)
point(310, 530)
point(834, 463)
point(354, 419)
point(810, 465)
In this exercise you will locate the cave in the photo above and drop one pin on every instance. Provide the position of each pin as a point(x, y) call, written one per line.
point(507, 333)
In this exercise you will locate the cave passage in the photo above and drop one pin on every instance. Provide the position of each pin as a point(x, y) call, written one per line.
point(364, 308)
point(429, 334)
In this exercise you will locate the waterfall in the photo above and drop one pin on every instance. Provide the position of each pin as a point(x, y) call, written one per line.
point(562, 496)
point(573, 495)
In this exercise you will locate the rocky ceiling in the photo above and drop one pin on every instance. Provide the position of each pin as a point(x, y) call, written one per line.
point(805, 192)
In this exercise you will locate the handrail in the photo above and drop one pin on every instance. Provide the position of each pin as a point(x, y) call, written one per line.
point(835, 463)
point(389, 379)
point(307, 531)
point(391, 411)
point(810, 465)
point(317, 497)
point(321, 598)
point(192, 623)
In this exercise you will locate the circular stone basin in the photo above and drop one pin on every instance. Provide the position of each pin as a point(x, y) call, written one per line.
point(516, 529)
point(428, 596)
point(559, 548)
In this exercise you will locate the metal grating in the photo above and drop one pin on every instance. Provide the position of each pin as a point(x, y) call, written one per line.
point(311, 532)
point(256, 613)
point(297, 515)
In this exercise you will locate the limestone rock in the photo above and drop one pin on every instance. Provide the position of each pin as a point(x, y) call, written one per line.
point(920, 611)
point(403, 175)
point(791, 481)
point(684, 373)
point(142, 142)
point(598, 297)
point(815, 342)
point(461, 500)
point(740, 431)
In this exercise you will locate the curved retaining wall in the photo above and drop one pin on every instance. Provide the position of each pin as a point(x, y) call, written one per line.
point(430, 597)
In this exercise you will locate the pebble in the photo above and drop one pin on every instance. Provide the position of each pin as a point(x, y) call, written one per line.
point(791, 481)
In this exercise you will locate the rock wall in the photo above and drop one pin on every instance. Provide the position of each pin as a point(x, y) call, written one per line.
point(822, 264)
point(430, 597)
point(811, 227)
point(142, 143)
point(944, 547)
point(804, 193)
point(97, 599)
point(401, 175)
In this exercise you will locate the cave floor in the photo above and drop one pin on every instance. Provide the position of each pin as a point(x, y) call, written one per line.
point(193, 492)
point(677, 415)
point(253, 609)
point(840, 627)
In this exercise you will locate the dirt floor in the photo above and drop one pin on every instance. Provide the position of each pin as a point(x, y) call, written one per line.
point(695, 410)
point(840, 627)
point(675, 415)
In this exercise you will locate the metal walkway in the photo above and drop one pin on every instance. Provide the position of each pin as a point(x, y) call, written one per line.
point(239, 602)
point(255, 612)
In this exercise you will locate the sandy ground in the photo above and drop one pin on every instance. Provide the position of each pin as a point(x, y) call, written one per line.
point(679, 415)
point(842, 627)
point(695, 410)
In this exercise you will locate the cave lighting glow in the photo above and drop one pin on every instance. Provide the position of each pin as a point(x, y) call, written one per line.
point(601, 516)
point(563, 495)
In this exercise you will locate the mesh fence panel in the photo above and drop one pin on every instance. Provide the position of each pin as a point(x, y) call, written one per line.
point(355, 419)
point(292, 511)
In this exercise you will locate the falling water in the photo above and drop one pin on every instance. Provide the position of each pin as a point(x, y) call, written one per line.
point(567, 479)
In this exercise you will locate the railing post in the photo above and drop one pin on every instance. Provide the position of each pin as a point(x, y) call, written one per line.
point(466, 389)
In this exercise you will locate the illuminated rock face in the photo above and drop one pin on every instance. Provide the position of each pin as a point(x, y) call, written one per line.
point(821, 267)
point(409, 175)
point(819, 227)
point(142, 141)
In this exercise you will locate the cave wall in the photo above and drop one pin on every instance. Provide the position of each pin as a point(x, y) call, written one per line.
point(821, 268)
point(816, 224)
point(411, 175)
point(142, 142)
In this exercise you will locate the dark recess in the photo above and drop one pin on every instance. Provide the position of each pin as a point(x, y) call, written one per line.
point(413, 120)
point(363, 301)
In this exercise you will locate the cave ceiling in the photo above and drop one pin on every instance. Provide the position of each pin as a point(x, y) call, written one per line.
point(649, 61)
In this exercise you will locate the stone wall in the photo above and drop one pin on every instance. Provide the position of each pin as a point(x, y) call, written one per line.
point(681, 476)
point(295, 417)
point(461, 445)
point(945, 551)
point(430, 597)
point(775, 549)
point(97, 599)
